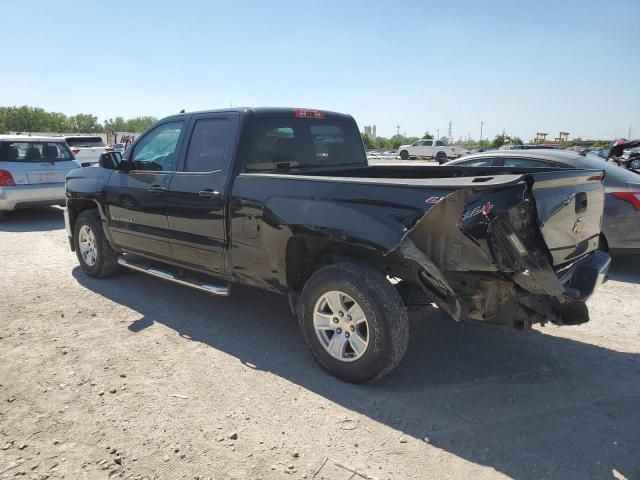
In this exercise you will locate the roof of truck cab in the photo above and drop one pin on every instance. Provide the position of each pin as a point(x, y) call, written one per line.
point(265, 112)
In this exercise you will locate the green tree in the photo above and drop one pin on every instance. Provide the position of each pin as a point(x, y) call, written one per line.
point(138, 124)
point(367, 141)
point(427, 135)
point(500, 140)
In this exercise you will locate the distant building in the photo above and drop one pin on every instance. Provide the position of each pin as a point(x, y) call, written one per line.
point(370, 131)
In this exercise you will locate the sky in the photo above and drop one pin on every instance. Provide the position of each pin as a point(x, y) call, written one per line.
point(522, 66)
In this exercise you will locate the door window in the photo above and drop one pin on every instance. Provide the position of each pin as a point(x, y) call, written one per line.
point(208, 145)
point(525, 162)
point(157, 150)
point(477, 162)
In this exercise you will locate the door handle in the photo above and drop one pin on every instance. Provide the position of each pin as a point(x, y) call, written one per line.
point(209, 193)
point(157, 189)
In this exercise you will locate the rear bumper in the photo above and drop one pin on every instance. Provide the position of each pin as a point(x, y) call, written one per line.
point(586, 276)
point(24, 196)
point(580, 282)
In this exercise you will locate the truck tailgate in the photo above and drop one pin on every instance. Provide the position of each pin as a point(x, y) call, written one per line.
point(570, 205)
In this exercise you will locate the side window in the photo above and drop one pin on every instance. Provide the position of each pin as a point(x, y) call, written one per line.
point(425, 143)
point(525, 162)
point(208, 145)
point(439, 143)
point(477, 162)
point(157, 150)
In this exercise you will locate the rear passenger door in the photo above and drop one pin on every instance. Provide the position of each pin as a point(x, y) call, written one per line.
point(197, 194)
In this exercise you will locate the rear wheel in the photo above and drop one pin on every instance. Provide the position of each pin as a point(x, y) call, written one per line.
point(441, 157)
point(404, 155)
point(635, 164)
point(96, 257)
point(354, 322)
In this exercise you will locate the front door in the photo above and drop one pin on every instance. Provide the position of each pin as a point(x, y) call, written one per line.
point(196, 199)
point(136, 196)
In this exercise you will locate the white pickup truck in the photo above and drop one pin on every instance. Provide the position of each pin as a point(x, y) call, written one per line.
point(430, 148)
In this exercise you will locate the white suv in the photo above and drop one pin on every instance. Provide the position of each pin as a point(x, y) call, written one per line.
point(87, 148)
point(33, 171)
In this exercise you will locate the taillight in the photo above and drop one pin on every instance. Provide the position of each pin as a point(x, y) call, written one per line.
point(632, 197)
point(6, 179)
point(302, 113)
point(75, 150)
point(108, 149)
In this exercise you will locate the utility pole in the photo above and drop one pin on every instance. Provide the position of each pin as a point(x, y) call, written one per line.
point(468, 136)
point(481, 125)
point(438, 134)
point(629, 137)
point(450, 137)
point(398, 128)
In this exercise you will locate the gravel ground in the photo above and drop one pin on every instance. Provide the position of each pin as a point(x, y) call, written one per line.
point(134, 377)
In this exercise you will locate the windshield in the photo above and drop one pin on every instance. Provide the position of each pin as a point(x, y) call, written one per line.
point(85, 142)
point(277, 143)
point(610, 169)
point(34, 152)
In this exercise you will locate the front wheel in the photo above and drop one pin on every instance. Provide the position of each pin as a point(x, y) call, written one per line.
point(634, 164)
point(404, 155)
point(354, 322)
point(96, 257)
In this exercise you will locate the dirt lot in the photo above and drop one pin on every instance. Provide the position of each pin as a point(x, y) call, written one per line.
point(136, 377)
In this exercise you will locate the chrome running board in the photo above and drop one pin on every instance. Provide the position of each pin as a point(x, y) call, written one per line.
point(154, 272)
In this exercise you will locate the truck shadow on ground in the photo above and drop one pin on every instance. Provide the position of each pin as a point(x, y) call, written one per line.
point(32, 220)
point(528, 405)
point(625, 268)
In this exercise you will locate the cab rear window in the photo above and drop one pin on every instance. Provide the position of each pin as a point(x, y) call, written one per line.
point(34, 152)
point(281, 143)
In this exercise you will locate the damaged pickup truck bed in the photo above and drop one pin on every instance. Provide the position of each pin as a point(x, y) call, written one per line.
point(284, 200)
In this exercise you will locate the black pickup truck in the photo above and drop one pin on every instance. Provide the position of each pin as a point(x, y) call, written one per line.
point(284, 200)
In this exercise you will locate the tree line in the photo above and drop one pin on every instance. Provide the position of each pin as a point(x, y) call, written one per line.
point(33, 119)
point(393, 143)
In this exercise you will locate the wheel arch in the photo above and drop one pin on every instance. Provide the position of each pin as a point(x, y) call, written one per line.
point(306, 254)
point(75, 206)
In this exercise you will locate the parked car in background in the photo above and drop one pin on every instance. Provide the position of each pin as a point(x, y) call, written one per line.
point(431, 149)
point(533, 146)
point(630, 158)
point(600, 152)
point(621, 223)
point(622, 153)
point(87, 148)
point(116, 147)
point(33, 171)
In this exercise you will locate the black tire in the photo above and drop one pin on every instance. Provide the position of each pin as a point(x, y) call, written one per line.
point(441, 158)
point(404, 155)
point(106, 262)
point(386, 315)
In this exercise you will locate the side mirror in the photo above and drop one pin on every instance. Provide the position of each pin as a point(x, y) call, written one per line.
point(110, 160)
